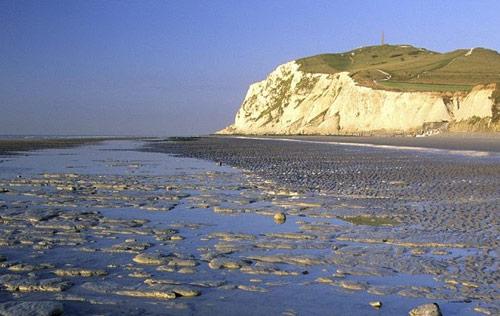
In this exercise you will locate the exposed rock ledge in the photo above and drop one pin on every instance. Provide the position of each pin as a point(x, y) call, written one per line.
point(290, 101)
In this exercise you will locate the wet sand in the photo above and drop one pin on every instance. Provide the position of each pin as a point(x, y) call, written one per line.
point(488, 142)
point(460, 191)
point(297, 229)
point(14, 145)
point(443, 199)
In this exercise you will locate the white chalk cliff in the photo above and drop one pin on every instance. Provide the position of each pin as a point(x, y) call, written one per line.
point(291, 101)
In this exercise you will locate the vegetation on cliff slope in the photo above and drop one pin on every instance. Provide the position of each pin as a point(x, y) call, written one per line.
point(407, 68)
point(496, 104)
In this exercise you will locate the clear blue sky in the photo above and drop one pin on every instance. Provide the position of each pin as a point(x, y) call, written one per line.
point(183, 67)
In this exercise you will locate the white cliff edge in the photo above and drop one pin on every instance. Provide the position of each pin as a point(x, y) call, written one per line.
point(290, 101)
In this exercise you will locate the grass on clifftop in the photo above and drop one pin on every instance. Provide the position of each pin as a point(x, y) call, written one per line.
point(407, 68)
point(413, 86)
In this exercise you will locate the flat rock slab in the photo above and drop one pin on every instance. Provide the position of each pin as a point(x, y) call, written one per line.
point(426, 310)
point(18, 283)
point(76, 272)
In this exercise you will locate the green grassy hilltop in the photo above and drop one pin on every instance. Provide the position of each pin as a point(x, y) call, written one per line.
point(407, 68)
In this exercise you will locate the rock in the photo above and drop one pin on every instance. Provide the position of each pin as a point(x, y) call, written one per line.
point(376, 304)
point(178, 290)
point(226, 236)
point(224, 263)
point(153, 282)
point(73, 272)
point(130, 246)
point(176, 238)
point(150, 258)
point(352, 285)
point(21, 267)
point(15, 283)
point(301, 260)
point(185, 292)
point(186, 270)
point(252, 288)
point(165, 268)
point(292, 236)
point(269, 270)
point(148, 294)
point(426, 310)
point(40, 308)
point(325, 280)
point(279, 218)
point(139, 274)
point(47, 285)
point(66, 188)
point(178, 262)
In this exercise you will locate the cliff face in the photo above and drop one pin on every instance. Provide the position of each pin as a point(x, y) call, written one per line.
point(291, 101)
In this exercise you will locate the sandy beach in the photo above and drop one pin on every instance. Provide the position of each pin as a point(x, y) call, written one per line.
point(120, 227)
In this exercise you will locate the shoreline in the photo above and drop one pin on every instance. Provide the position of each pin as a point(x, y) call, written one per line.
point(15, 146)
point(483, 142)
point(469, 153)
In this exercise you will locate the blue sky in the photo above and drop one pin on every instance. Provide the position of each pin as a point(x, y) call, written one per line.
point(183, 67)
